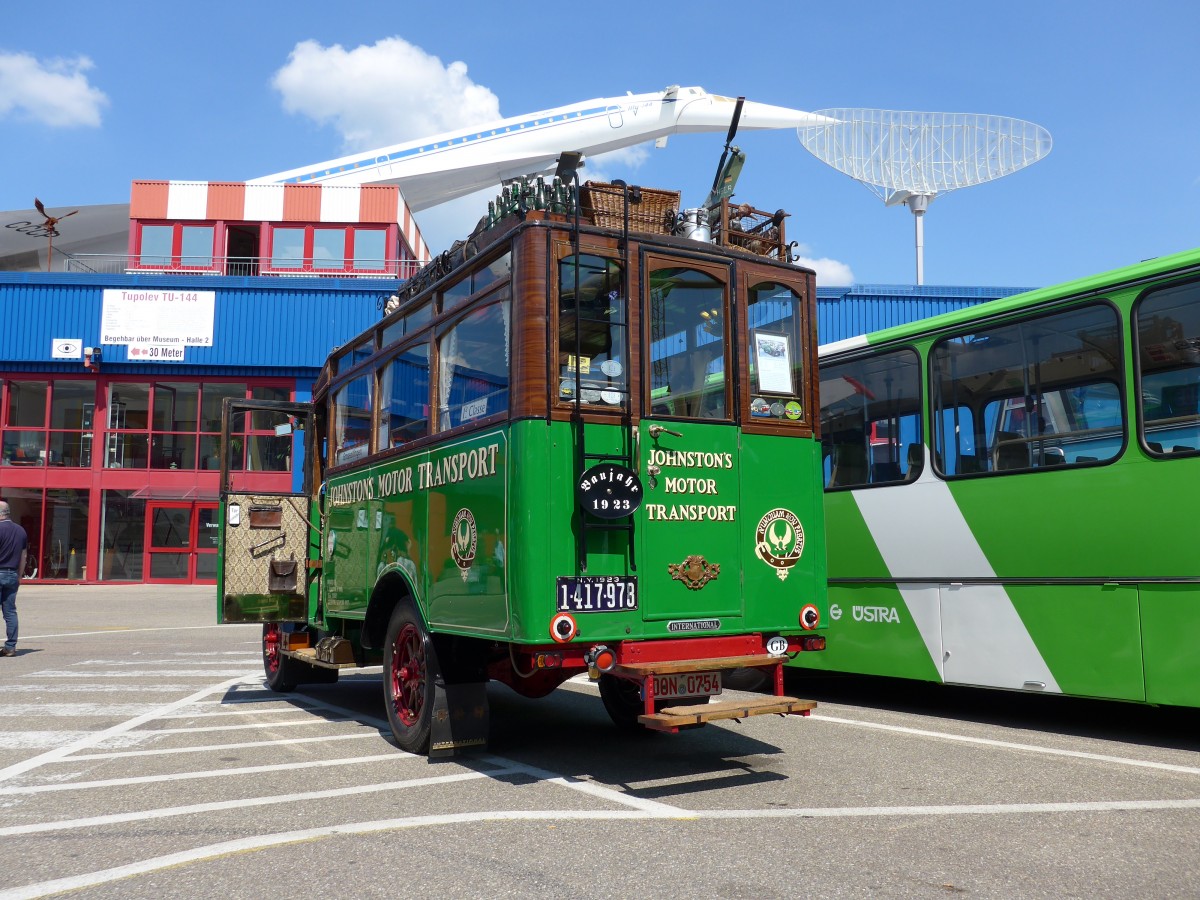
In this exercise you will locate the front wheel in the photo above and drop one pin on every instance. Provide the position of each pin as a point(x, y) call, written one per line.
point(409, 670)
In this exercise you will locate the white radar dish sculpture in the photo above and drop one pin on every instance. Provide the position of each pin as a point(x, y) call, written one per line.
point(910, 158)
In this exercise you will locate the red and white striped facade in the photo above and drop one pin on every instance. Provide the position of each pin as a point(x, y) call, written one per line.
point(240, 202)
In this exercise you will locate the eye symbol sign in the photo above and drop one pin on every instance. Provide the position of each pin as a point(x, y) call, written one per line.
point(67, 349)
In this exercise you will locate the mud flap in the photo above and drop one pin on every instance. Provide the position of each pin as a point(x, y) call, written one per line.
point(460, 719)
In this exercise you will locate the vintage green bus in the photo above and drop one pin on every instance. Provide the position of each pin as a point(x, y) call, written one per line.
point(1006, 491)
point(579, 444)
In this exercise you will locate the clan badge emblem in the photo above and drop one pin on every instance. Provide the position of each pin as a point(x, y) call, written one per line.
point(779, 541)
point(464, 538)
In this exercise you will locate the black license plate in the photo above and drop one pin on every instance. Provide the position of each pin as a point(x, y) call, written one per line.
point(597, 593)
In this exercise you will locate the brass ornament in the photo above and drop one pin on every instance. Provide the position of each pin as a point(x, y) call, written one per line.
point(694, 572)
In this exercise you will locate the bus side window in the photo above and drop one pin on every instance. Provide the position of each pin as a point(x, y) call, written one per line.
point(473, 367)
point(916, 462)
point(404, 397)
point(849, 460)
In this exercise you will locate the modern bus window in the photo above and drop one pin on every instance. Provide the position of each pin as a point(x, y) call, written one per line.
point(871, 420)
point(352, 420)
point(1039, 393)
point(774, 317)
point(404, 397)
point(603, 356)
point(473, 367)
point(1168, 324)
point(688, 347)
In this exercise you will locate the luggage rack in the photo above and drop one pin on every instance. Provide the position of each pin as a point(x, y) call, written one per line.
point(756, 231)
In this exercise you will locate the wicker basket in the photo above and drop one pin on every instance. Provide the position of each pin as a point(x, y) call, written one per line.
point(602, 204)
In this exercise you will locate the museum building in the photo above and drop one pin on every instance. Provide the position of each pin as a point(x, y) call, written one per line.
point(113, 371)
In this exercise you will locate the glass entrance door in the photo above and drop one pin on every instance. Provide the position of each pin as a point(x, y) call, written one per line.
point(207, 534)
point(170, 541)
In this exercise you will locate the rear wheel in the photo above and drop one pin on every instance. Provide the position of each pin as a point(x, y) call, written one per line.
point(623, 702)
point(283, 672)
point(279, 669)
point(409, 670)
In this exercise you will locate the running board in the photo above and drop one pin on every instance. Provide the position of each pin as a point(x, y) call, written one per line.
point(672, 718)
point(309, 655)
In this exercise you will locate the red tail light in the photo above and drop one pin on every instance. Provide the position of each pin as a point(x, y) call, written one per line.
point(810, 617)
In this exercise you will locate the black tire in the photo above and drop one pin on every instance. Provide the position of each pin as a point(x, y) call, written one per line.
point(284, 673)
point(280, 670)
point(755, 680)
point(623, 703)
point(410, 670)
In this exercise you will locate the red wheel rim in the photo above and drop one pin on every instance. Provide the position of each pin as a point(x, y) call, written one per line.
point(271, 647)
point(408, 675)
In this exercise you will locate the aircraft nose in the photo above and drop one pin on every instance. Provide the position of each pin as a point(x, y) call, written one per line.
point(715, 111)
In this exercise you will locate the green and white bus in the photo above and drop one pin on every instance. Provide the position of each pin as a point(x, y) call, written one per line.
point(1007, 491)
point(572, 448)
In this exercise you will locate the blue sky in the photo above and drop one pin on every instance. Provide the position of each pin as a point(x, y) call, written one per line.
point(91, 100)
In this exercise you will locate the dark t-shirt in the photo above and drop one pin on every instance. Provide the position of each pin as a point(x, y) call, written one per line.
point(12, 541)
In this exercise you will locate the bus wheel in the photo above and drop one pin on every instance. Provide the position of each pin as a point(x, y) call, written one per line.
point(278, 669)
point(409, 668)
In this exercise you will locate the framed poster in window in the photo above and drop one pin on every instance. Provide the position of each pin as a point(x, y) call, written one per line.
point(773, 359)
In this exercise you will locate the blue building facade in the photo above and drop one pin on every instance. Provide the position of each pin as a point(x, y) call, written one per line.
point(110, 400)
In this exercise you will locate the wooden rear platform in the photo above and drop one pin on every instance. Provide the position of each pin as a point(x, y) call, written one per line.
point(672, 718)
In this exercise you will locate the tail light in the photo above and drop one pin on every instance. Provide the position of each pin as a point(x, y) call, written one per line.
point(601, 658)
point(563, 628)
point(806, 642)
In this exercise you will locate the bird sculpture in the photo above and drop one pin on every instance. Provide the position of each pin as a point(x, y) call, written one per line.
point(51, 221)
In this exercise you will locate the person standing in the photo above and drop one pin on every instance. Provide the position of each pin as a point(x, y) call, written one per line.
point(13, 545)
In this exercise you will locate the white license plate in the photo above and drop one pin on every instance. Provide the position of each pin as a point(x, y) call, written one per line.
point(692, 684)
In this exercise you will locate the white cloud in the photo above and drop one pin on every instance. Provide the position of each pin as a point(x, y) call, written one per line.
point(830, 272)
point(381, 94)
point(600, 167)
point(54, 92)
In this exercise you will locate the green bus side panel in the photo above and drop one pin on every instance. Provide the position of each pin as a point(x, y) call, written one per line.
point(1064, 522)
point(1087, 634)
point(886, 640)
point(467, 486)
point(781, 473)
point(551, 530)
point(852, 553)
point(872, 633)
point(693, 482)
point(1170, 639)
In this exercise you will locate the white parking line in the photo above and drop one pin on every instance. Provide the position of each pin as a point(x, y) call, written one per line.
point(118, 630)
point(93, 688)
point(168, 751)
point(289, 723)
point(210, 773)
point(294, 798)
point(120, 729)
point(143, 673)
point(260, 842)
point(73, 710)
point(1009, 745)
